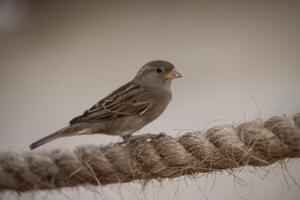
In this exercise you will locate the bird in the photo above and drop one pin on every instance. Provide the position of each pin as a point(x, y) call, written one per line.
point(127, 109)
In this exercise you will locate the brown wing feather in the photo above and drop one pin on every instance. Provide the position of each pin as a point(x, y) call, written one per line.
point(130, 99)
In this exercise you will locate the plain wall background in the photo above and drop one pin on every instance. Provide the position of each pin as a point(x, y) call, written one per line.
point(240, 61)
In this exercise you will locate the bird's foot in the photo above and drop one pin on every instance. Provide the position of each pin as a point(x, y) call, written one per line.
point(147, 136)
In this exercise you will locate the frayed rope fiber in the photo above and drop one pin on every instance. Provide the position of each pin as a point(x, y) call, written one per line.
point(225, 147)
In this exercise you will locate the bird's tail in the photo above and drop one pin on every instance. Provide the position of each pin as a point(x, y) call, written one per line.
point(67, 131)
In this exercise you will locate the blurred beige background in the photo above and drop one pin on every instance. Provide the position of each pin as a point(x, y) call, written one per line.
point(240, 61)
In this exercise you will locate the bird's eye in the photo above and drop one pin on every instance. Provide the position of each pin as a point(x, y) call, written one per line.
point(158, 70)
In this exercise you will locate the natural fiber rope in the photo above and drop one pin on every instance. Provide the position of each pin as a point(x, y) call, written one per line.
point(223, 147)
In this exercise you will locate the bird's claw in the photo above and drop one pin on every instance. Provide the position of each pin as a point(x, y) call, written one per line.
point(162, 134)
point(147, 136)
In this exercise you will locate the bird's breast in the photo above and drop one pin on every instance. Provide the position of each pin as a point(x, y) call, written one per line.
point(129, 124)
point(159, 102)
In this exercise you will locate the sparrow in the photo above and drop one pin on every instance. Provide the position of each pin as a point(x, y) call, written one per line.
point(128, 108)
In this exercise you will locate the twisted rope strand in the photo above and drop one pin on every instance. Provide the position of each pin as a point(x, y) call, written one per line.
point(220, 148)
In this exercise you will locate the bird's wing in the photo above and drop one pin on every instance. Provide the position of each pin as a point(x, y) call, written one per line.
point(130, 99)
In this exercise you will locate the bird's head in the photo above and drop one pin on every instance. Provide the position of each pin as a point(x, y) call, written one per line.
point(157, 73)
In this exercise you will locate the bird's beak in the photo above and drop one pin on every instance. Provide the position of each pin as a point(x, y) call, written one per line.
point(173, 74)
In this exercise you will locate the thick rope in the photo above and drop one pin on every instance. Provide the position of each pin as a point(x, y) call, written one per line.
point(220, 148)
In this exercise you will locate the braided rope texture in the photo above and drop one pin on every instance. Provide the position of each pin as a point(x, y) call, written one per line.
point(224, 147)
